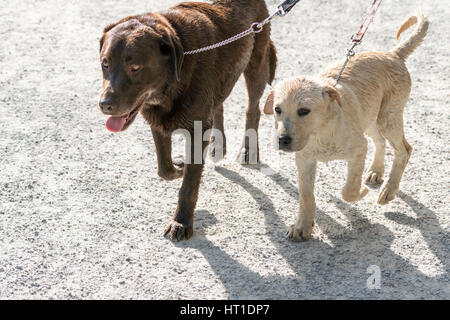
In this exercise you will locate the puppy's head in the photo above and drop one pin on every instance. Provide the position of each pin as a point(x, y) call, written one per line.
point(138, 55)
point(301, 107)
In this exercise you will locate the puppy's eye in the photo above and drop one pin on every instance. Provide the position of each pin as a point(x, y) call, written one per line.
point(303, 112)
point(105, 64)
point(135, 68)
point(278, 110)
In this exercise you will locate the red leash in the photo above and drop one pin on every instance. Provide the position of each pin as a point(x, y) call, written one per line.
point(358, 37)
point(370, 18)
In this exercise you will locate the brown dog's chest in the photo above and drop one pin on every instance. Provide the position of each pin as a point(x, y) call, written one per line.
point(180, 117)
point(162, 121)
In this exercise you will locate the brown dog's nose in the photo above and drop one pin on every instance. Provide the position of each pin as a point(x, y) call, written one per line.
point(284, 141)
point(106, 105)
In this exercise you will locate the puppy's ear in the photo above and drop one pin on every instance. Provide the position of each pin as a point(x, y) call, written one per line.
point(333, 94)
point(268, 108)
point(171, 44)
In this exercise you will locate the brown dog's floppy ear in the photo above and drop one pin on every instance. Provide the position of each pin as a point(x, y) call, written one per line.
point(173, 43)
point(102, 41)
point(333, 94)
point(268, 108)
point(107, 29)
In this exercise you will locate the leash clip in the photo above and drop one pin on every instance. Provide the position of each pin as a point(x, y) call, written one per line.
point(351, 51)
point(286, 6)
point(257, 27)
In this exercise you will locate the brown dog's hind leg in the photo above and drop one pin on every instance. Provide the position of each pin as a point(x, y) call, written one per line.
point(218, 125)
point(258, 74)
point(166, 169)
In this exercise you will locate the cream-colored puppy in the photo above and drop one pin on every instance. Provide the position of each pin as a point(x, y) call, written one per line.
point(323, 122)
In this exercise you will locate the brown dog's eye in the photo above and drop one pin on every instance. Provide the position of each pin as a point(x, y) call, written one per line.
point(135, 68)
point(303, 112)
point(165, 48)
point(105, 64)
point(278, 110)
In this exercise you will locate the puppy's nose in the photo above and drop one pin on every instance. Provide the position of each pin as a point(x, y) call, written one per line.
point(106, 104)
point(284, 141)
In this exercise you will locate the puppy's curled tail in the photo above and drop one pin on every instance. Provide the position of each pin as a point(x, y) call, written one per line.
point(407, 47)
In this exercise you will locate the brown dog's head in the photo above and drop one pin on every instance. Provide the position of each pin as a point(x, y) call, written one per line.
point(301, 107)
point(139, 56)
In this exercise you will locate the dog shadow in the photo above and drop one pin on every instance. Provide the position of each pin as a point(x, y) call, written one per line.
point(320, 270)
point(438, 240)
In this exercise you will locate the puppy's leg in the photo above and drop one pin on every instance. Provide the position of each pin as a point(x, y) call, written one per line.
point(353, 190)
point(391, 127)
point(304, 222)
point(257, 76)
point(166, 169)
point(182, 225)
point(218, 125)
point(375, 174)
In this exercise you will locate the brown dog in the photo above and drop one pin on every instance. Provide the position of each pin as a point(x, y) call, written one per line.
point(145, 70)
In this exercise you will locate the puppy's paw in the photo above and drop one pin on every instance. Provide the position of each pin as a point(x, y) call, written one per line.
point(248, 156)
point(354, 195)
point(176, 231)
point(387, 194)
point(300, 234)
point(374, 178)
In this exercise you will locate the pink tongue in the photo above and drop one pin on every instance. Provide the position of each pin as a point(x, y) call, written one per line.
point(116, 124)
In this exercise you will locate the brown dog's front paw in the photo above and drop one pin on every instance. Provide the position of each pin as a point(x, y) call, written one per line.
point(300, 234)
point(170, 174)
point(173, 171)
point(176, 231)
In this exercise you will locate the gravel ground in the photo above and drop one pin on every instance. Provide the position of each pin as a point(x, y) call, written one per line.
point(82, 211)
